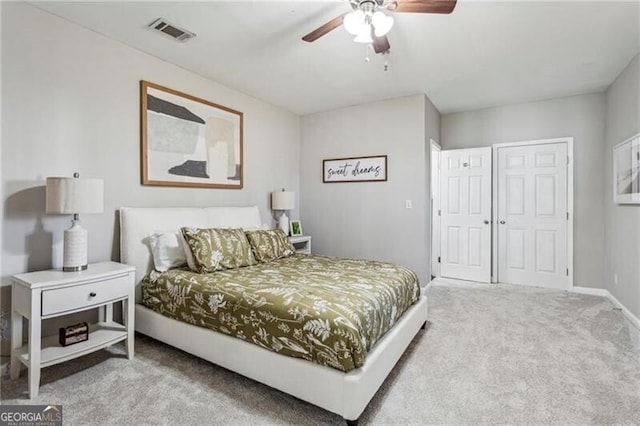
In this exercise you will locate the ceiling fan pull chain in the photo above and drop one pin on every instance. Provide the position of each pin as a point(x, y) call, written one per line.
point(366, 54)
point(386, 60)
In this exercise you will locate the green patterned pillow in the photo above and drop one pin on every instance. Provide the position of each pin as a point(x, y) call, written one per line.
point(216, 249)
point(270, 244)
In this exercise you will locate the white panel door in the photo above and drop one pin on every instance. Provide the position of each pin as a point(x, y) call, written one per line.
point(465, 203)
point(532, 215)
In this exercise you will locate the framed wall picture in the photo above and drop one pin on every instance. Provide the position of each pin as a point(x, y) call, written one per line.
point(187, 141)
point(296, 228)
point(356, 169)
point(626, 171)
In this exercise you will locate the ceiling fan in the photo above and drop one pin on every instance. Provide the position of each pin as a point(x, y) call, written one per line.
point(368, 22)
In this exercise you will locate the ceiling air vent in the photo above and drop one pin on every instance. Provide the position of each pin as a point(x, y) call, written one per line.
point(171, 30)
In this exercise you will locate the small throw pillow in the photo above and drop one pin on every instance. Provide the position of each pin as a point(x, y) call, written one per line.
point(167, 251)
point(270, 244)
point(217, 249)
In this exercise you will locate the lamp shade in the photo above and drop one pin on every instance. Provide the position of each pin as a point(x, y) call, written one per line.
point(283, 200)
point(68, 195)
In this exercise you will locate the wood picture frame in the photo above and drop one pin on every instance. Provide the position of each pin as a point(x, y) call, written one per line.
point(626, 171)
point(296, 228)
point(355, 169)
point(187, 141)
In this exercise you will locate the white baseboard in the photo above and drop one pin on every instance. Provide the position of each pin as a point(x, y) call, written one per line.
point(605, 293)
point(452, 282)
point(591, 291)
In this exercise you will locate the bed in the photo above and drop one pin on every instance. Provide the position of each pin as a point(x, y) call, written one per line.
point(344, 393)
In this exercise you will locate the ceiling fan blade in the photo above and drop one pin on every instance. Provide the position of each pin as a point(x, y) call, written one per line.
point(324, 29)
point(425, 6)
point(381, 44)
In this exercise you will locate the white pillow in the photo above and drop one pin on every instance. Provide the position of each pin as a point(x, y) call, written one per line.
point(187, 252)
point(167, 250)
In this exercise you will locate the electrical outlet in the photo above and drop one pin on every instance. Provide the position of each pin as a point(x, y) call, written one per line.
point(615, 278)
point(407, 204)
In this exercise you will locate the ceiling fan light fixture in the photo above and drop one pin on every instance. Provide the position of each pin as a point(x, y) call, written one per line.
point(364, 34)
point(381, 23)
point(353, 21)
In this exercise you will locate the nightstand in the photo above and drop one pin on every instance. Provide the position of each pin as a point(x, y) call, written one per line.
point(301, 243)
point(53, 293)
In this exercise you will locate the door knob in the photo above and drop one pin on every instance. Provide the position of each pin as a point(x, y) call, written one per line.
point(486, 222)
point(502, 222)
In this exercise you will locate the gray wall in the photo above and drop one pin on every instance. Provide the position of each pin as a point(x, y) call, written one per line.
point(622, 222)
point(432, 126)
point(71, 103)
point(369, 219)
point(582, 117)
point(4, 313)
point(432, 131)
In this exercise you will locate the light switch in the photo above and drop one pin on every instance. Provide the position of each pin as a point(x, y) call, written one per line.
point(407, 204)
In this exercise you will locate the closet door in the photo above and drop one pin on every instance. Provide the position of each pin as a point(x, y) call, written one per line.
point(533, 215)
point(465, 199)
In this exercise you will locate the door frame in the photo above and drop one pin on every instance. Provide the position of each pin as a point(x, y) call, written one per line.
point(570, 160)
point(434, 198)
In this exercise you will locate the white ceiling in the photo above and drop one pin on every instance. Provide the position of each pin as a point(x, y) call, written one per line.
point(484, 54)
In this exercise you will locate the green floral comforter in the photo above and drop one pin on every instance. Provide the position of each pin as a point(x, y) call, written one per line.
point(326, 310)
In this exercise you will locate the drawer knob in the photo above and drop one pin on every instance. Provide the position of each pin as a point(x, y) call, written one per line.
point(92, 294)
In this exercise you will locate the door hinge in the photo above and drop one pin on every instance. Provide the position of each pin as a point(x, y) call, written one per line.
point(438, 259)
point(568, 160)
point(567, 215)
point(439, 212)
point(567, 271)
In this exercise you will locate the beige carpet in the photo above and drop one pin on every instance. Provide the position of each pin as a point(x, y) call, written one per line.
point(492, 354)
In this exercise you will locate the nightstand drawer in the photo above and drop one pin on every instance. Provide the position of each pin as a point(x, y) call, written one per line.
point(84, 295)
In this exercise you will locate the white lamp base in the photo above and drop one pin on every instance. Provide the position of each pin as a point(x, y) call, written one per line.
point(75, 248)
point(283, 223)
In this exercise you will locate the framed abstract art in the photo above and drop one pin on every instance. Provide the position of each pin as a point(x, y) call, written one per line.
point(188, 141)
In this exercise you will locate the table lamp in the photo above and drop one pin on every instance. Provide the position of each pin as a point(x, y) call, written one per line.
point(74, 195)
point(283, 200)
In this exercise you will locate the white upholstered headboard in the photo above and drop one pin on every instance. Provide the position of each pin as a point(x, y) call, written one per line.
point(136, 223)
